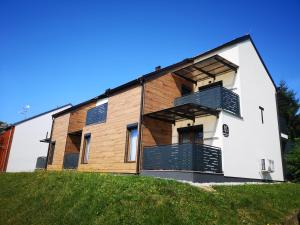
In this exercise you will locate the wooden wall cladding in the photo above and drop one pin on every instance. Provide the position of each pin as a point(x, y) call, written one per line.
point(6, 138)
point(73, 143)
point(108, 140)
point(59, 135)
point(160, 93)
point(156, 132)
point(78, 117)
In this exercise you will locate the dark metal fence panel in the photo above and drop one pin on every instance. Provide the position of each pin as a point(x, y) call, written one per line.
point(230, 101)
point(207, 159)
point(192, 157)
point(41, 162)
point(215, 97)
point(210, 97)
point(71, 160)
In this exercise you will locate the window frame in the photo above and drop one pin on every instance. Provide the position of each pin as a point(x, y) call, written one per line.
point(263, 164)
point(51, 153)
point(129, 128)
point(84, 159)
point(87, 123)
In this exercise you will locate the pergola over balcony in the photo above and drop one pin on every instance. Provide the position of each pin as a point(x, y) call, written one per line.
point(207, 68)
point(186, 111)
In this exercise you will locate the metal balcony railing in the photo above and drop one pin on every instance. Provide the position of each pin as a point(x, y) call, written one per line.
point(216, 97)
point(188, 157)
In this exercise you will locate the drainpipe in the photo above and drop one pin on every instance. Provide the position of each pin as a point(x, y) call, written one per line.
point(138, 164)
point(49, 145)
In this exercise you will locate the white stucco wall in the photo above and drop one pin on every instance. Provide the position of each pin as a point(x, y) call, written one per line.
point(250, 140)
point(26, 146)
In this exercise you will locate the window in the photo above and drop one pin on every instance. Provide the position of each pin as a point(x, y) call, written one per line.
point(97, 114)
point(86, 148)
point(192, 134)
point(51, 152)
point(261, 114)
point(185, 90)
point(131, 143)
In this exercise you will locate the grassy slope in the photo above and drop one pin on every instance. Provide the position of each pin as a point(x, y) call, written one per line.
point(92, 198)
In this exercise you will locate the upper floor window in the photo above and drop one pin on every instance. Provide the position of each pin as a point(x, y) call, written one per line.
point(261, 114)
point(97, 114)
point(185, 90)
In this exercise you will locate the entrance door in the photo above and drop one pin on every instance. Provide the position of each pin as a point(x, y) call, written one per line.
point(192, 134)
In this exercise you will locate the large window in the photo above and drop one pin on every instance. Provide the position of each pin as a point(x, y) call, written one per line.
point(51, 152)
point(86, 148)
point(97, 114)
point(132, 142)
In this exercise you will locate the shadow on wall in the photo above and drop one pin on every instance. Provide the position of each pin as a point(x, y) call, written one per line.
point(156, 132)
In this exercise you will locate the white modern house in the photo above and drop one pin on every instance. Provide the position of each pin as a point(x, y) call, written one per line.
point(225, 125)
point(27, 151)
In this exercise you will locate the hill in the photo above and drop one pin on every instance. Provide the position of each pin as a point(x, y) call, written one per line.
point(94, 198)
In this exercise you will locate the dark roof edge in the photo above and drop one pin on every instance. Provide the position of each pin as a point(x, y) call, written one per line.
point(41, 114)
point(165, 70)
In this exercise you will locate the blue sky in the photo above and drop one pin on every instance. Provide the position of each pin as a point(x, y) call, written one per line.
point(54, 52)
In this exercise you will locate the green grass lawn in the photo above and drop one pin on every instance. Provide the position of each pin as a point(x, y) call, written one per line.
point(91, 198)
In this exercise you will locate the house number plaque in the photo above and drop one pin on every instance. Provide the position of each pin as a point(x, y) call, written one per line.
point(225, 130)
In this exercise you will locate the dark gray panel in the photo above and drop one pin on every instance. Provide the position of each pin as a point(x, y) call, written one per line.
point(97, 114)
point(230, 101)
point(216, 97)
point(210, 97)
point(71, 160)
point(41, 162)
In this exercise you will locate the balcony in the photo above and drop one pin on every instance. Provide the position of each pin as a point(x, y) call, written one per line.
point(183, 157)
point(216, 97)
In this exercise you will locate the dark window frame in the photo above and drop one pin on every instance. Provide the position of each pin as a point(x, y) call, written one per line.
point(88, 123)
point(83, 155)
point(129, 128)
point(51, 152)
point(191, 133)
point(263, 164)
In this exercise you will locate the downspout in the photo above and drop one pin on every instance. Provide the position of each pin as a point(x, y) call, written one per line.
point(279, 132)
point(138, 160)
point(50, 142)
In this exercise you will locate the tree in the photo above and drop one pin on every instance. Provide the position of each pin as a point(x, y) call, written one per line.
point(288, 106)
point(293, 163)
